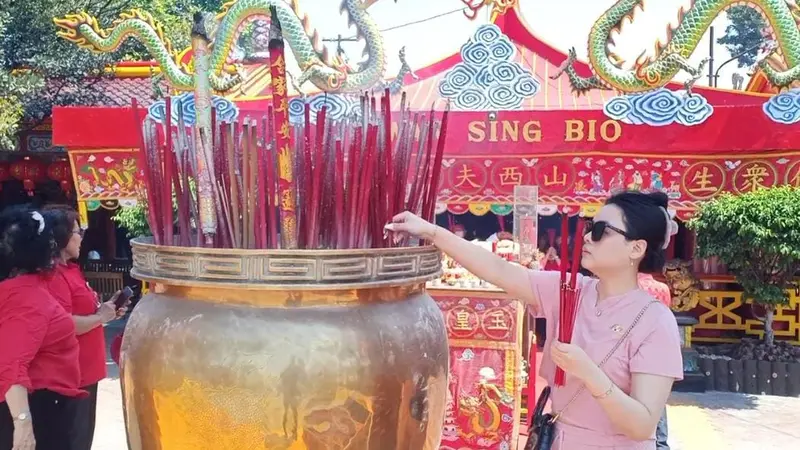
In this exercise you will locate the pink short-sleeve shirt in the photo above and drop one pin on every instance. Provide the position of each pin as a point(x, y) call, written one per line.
point(653, 347)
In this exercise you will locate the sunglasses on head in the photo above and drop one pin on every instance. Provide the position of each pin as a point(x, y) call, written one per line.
point(598, 229)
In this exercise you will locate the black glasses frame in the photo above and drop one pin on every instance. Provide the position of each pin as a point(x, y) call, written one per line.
point(598, 230)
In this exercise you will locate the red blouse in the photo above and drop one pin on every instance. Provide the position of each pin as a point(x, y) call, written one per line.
point(39, 349)
point(69, 287)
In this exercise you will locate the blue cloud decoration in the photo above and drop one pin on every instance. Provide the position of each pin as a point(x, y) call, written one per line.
point(339, 107)
point(659, 108)
point(784, 108)
point(488, 78)
point(227, 111)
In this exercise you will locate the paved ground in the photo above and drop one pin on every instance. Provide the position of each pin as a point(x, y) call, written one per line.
point(723, 420)
point(711, 421)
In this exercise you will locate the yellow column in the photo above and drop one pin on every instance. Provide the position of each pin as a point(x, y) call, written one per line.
point(83, 214)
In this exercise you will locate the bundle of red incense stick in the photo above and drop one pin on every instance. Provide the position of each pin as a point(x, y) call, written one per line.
point(569, 292)
point(349, 177)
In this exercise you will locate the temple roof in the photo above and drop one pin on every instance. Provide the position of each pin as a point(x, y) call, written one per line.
point(120, 91)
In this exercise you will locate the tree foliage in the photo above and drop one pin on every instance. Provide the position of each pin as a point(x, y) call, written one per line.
point(757, 235)
point(38, 70)
point(134, 220)
point(743, 35)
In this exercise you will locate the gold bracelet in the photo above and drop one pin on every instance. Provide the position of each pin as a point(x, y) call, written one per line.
point(605, 394)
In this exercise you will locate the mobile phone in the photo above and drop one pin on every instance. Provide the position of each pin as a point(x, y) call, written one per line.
point(124, 296)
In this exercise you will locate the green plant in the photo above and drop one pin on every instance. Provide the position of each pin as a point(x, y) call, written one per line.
point(757, 235)
point(39, 70)
point(743, 34)
point(134, 220)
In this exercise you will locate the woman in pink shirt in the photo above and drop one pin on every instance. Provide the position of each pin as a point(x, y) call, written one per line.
point(618, 405)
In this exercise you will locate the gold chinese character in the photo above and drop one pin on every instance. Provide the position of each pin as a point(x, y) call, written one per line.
point(287, 200)
point(285, 164)
point(279, 64)
point(510, 176)
point(701, 182)
point(284, 131)
point(462, 321)
point(279, 86)
point(466, 176)
point(556, 179)
point(795, 180)
point(283, 106)
point(497, 321)
point(754, 177)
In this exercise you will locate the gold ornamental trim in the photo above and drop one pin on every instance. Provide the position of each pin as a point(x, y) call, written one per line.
point(284, 269)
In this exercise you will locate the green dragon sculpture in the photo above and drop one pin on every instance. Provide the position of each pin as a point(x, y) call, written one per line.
point(650, 73)
point(332, 76)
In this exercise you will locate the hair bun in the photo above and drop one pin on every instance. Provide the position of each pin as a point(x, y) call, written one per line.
point(659, 199)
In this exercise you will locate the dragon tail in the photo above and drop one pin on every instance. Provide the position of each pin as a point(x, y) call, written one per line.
point(396, 85)
point(580, 85)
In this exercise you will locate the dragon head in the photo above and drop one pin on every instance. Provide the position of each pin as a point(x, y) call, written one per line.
point(69, 28)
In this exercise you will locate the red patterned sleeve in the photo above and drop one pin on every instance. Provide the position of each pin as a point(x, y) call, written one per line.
point(24, 325)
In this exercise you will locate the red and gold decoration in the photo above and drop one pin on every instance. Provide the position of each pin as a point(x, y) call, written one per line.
point(30, 171)
point(577, 158)
point(61, 172)
point(106, 174)
point(584, 180)
point(280, 104)
point(484, 396)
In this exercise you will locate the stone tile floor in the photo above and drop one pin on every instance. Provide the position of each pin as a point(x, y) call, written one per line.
point(711, 421)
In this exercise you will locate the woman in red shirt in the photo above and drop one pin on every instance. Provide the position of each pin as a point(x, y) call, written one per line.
point(39, 373)
point(68, 285)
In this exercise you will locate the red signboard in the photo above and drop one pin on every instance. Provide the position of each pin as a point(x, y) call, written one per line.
point(585, 178)
point(106, 174)
point(483, 403)
point(575, 157)
point(731, 130)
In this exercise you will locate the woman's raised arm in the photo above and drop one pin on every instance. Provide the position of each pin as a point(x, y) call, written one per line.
point(512, 278)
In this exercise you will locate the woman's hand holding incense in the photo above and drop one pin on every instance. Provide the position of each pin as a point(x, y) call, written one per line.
point(406, 223)
point(573, 360)
point(512, 278)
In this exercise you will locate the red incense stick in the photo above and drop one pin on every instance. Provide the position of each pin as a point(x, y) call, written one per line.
point(339, 181)
point(148, 176)
point(168, 168)
point(437, 164)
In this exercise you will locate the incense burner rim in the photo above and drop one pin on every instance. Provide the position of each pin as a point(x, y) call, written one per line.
point(284, 269)
point(147, 242)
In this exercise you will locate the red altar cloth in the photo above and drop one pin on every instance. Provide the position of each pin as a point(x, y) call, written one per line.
point(484, 396)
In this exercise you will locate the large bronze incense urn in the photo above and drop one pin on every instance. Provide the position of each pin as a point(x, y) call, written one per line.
point(284, 349)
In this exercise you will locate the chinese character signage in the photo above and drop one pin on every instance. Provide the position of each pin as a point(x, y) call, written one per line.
point(484, 395)
point(591, 178)
point(106, 174)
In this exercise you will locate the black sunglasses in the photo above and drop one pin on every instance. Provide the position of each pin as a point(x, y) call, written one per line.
point(598, 230)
